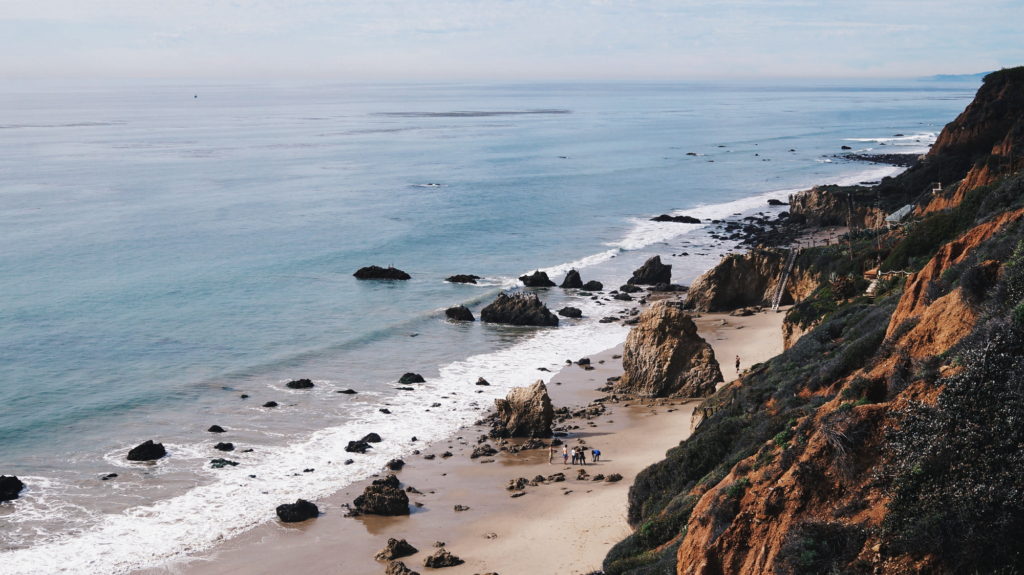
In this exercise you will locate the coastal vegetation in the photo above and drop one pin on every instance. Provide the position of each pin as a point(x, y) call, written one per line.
point(887, 438)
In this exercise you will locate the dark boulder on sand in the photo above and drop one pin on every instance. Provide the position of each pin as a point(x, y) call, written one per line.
point(147, 451)
point(399, 568)
point(10, 487)
point(379, 273)
point(299, 384)
point(383, 497)
point(593, 285)
point(677, 219)
point(653, 272)
point(518, 309)
point(572, 280)
point(410, 377)
point(395, 549)
point(572, 312)
point(537, 279)
point(442, 558)
point(301, 510)
point(459, 313)
point(462, 279)
point(525, 412)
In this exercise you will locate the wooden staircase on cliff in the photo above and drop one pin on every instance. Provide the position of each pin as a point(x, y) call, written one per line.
point(780, 289)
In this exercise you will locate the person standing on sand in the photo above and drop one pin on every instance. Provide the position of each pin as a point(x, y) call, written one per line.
point(737, 365)
point(565, 454)
point(551, 453)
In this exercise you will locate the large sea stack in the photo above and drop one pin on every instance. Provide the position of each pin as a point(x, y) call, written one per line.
point(525, 412)
point(518, 309)
point(665, 357)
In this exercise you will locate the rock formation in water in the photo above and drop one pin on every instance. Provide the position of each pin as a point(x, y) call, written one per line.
point(147, 451)
point(301, 510)
point(459, 313)
point(518, 309)
point(572, 280)
point(537, 279)
point(379, 273)
point(651, 273)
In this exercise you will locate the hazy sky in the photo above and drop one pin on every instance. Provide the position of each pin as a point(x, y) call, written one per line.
point(505, 39)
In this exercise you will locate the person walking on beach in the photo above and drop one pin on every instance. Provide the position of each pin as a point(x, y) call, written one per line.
point(737, 365)
point(551, 453)
point(565, 454)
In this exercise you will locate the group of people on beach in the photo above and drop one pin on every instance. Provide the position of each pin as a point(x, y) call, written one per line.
point(579, 455)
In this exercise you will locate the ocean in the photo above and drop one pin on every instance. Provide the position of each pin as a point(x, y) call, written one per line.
point(169, 248)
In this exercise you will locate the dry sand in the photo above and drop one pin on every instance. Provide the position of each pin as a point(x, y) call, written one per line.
point(556, 527)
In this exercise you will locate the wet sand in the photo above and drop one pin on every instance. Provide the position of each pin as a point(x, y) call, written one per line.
point(556, 527)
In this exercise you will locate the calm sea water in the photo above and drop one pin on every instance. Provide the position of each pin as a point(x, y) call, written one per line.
point(168, 248)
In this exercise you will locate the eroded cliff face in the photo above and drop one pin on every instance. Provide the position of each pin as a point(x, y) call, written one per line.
point(750, 279)
point(830, 206)
point(665, 357)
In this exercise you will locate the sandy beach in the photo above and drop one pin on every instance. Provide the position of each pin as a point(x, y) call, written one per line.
point(555, 527)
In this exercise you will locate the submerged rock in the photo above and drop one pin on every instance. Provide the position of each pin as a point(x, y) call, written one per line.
point(216, 429)
point(147, 451)
point(357, 447)
point(220, 463)
point(664, 356)
point(518, 309)
point(462, 279)
point(537, 279)
point(677, 219)
point(301, 510)
point(395, 549)
point(572, 280)
point(572, 312)
point(224, 446)
point(525, 412)
point(653, 272)
point(10, 487)
point(379, 273)
point(459, 313)
point(299, 384)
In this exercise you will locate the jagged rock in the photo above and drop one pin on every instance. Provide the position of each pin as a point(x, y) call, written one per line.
point(379, 273)
point(301, 510)
point(357, 446)
point(299, 384)
point(518, 309)
point(677, 219)
point(147, 451)
point(410, 377)
point(572, 280)
point(383, 497)
point(462, 279)
point(570, 312)
point(442, 558)
point(556, 478)
point(537, 279)
point(216, 429)
point(651, 273)
point(10, 487)
point(395, 549)
point(220, 463)
point(484, 450)
point(224, 446)
point(664, 356)
point(526, 411)
point(612, 478)
point(517, 484)
point(399, 568)
point(751, 279)
point(592, 285)
point(459, 313)
point(482, 381)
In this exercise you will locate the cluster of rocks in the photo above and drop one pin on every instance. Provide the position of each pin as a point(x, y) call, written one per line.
point(677, 219)
point(519, 309)
point(379, 273)
point(382, 497)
